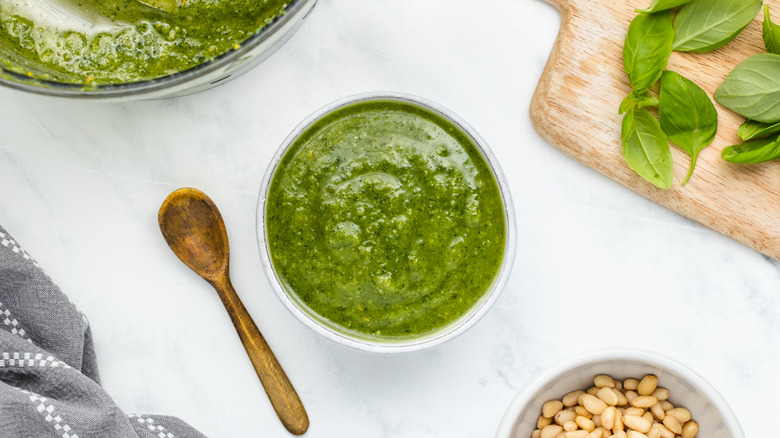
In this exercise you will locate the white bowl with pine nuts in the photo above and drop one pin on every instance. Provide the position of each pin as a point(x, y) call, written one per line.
point(692, 398)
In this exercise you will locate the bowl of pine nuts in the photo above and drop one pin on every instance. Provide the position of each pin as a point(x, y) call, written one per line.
point(619, 394)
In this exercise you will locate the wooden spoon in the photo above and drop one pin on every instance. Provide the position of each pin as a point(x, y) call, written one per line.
point(193, 228)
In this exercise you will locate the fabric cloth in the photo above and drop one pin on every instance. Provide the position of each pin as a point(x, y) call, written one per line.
point(49, 382)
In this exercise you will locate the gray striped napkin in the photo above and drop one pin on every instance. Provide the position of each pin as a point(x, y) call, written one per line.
point(49, 383)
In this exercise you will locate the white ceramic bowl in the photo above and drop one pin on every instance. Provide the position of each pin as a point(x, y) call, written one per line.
point(407, 344)
point(687, 389)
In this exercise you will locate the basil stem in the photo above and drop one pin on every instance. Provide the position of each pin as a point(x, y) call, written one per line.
point(752, 89)
point(704, 25)
point(751, 130)
point(647, 49)
point(755, 151)
point(771, 33)
point(687, 116)
point(634, 101)
point(646, 149)
point(662, 5)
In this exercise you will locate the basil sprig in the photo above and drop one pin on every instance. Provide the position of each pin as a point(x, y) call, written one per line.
point(647, 49)
point(662, 5)
point(704, 25)
point(645, 147)
point(751, 130)
point(754, 151)
point(752, 89)
point(687, 116)
point(771, 33)
point(645, 54)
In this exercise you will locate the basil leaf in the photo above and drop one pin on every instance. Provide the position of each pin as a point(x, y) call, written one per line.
point(704, 25)
point(751, 130)
point(647, 49)
point(756, 151)
point(646, 149)
point(662, 5)
point(752, 89)
point(771, 33)
point(687, 116)
point(634, 101)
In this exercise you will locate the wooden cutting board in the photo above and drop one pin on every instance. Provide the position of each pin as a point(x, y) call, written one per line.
point(575, 108)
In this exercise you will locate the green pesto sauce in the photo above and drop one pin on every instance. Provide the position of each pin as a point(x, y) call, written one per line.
point(131, 42)
point(385, 221)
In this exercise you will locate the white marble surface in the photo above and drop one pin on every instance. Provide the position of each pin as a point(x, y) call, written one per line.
point(597, 265)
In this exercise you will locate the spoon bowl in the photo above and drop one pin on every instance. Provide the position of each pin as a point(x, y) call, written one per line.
point(193, 228)
point(195, 231)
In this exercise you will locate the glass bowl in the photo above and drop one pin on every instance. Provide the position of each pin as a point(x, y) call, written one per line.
point(218, 70)
point(406, 344)
point(686, 388)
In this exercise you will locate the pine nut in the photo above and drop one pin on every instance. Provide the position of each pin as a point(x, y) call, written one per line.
point(607, 395)
point(681, 414)
point(577, 434)
point(637, 412)
point(631, 384)
point(631, 395)
point(608, 417)
point(619, 434)
point(658, 411)
point(654, 432)
point(618, 385)
point(665, 432)
point(598, 433)
point(622, 400)
point(585, 423)
point(592, 404)
point(661, 393)
point(593, 390)
point(582, 412)
point(597, 420)
point(536, 434)
point(570, 426)
point(636, 423)
point(644, 401)
point(551, 431)
point(618, 426)
point(571, 398)
point(635, 434)
point(604, 381)
point(604, 432)
point(690, 429)
point(564, 416)
point(673, 424)
point(649, 417)
point(647, 385)
point(666, 405)
point(543, 422)
point(551, 408)
point(561, 435)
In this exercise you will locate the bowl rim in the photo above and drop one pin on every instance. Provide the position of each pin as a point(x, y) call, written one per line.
point(171, 81)
point(437, 337)
point(523, 398)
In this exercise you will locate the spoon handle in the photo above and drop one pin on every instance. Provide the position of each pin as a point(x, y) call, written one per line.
point(280, 391)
